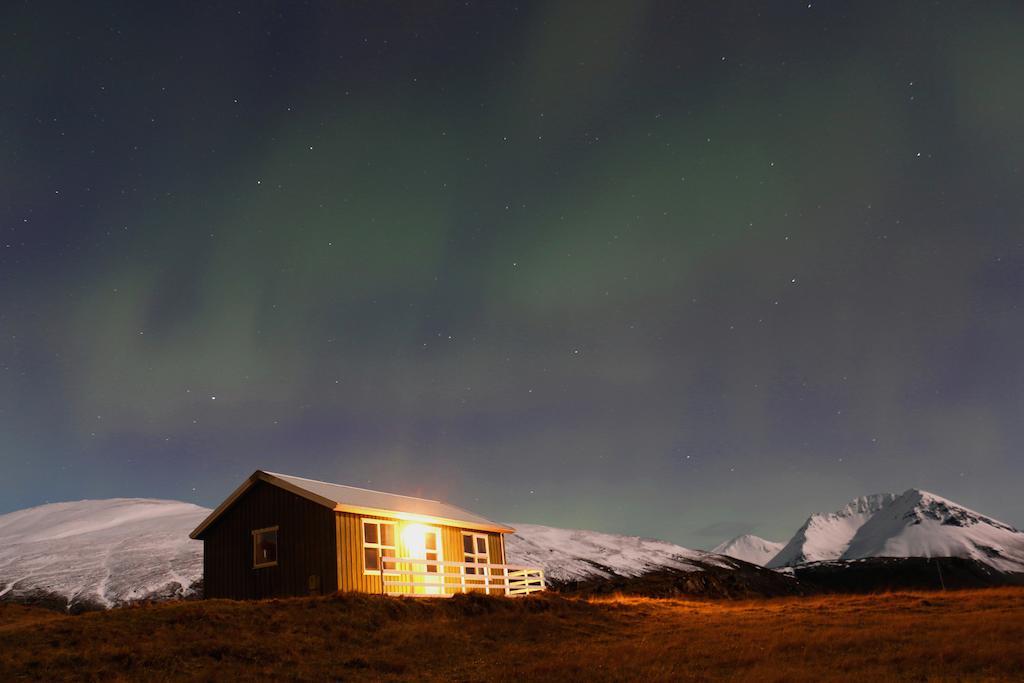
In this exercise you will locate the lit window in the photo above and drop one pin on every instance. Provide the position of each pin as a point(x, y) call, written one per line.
point(430, 549)
point(474, 551)
point(378, 542)
point(264, 547)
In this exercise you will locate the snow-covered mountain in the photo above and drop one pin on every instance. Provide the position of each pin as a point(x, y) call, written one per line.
point(912, 524)
point(101, 553)
point(749, 548)
point(571, 554)
point(825, 536)
point(922, 524)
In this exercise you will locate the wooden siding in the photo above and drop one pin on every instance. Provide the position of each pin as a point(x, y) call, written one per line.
point(351, 575)
point(495, 548)
point(349, 534)
point(306, 547)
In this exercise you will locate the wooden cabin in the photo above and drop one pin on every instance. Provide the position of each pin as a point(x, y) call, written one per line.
point(280, 535)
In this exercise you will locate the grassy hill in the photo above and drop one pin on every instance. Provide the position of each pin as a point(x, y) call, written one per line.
point(921, 636)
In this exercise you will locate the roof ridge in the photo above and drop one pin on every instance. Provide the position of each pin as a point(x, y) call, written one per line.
point(359, 500)
point(358, 488)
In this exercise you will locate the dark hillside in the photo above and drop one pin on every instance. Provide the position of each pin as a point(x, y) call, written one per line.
point(880, 574)
point(744, 581)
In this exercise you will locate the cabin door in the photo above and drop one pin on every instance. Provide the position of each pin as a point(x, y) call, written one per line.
point(429, 550)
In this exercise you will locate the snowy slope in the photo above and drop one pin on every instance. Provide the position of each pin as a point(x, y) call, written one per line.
point(826, 536)
point(571, 554)
point(922, 524)
point(100, 552)
point(750, 548)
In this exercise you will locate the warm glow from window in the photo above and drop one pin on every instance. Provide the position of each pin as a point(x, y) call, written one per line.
point(414, 536)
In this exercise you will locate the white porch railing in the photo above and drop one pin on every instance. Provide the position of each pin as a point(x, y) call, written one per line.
point(410, 576)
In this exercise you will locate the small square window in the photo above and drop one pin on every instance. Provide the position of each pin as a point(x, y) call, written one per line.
point(264, 547)
point(378, 542)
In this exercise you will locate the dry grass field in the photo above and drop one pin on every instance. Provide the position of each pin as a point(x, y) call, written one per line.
point(959, 635)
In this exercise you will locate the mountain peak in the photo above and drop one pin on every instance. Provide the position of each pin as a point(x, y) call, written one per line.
point(824, 536)
point(749, 548)
point(915, 506)
point(926, 497)
point(915, 523)
point(865, 504)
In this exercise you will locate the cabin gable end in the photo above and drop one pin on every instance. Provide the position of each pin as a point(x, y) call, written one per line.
point(270, 542)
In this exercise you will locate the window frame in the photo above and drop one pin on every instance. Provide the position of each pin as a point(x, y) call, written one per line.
point(378, 545)
point(476, 554)
point(256, 564)
point(438, 551)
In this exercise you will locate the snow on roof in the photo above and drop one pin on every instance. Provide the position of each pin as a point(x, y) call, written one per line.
point(365, 501)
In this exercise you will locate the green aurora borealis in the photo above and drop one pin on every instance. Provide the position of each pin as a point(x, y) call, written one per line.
point(669, 269)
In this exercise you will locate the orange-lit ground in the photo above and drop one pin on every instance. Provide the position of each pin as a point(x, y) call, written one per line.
point(969, 635)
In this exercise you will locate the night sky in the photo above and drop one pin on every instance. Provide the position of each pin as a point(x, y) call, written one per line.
point(675, 269)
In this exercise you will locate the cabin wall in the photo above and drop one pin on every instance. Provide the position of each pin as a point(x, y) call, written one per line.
point(349, 530)
point(453, 548)
point(453, 544)
point(496, 548)
point(351, 574)
point(306, 547)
